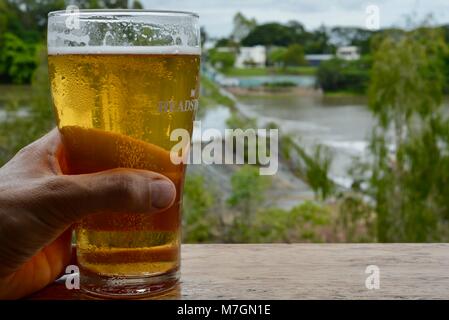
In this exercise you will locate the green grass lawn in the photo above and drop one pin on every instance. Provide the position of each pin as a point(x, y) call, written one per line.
point(250, 72)
point(302, 70)
point(343, 93)
point(246, 72)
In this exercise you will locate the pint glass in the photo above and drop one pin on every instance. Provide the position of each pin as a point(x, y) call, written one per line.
point(121, 82)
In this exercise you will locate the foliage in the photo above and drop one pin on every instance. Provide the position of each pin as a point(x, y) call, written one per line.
point(353, 36)
point(306, 222)
point(22, 29)
point(356, 219)
point(17, 60)
point(284, 35)
point(248, 72)
point(136, 4)
point(204, 221)
point(226, 43)
point(198, 200)
point(318, 41)
point(109, 4)
point(277, 56)
point(242, 26)
point(204, 36)
point(313, 168)
point(413, 62)
point(281, 84)
point(294, 56)
point(270, 34)
point(341, 75)
point(28, 19)
point(248, 187)
point(17, 130)
point(223, 60)
point(287, 57)
point(408, 174)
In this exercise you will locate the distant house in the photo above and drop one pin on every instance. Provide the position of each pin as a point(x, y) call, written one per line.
point(348, 53)
point(251, 56)
point(316, 59)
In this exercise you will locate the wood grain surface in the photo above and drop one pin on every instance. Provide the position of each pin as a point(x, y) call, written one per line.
point(303, 271)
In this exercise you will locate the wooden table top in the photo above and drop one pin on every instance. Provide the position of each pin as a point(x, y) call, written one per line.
point(303, 271)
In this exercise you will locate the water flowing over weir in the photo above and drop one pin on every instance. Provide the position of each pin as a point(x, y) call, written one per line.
point(352, 148)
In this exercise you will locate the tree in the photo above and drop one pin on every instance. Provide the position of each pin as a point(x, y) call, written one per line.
point(313, 169)
point(409, 169)
point(222, 59)
point(284, 35)
point(270, 34)
point(32, 14)
point(108, 4)
point(3, 19)
point(352, 36)
point(22, 27)
point(298, 30)
point(318, 42)
point(294, 56)
point(17, 60)
point(242, 27)
point(277, 56)
point(137, 5)
point(226, 43)
point(203, 35)
point(341, 75)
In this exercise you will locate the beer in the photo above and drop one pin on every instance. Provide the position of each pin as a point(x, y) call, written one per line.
point(117, 109)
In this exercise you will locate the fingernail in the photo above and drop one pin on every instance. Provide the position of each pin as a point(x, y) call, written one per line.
point(162, 193)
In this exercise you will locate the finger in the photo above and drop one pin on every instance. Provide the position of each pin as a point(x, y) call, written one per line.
point(70, 198)
point(73, 257)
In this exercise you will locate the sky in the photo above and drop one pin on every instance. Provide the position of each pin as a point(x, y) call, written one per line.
point(216, 15)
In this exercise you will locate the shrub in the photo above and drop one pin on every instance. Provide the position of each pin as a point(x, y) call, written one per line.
point(17, 60)
point(221, 59)
point(336, 75)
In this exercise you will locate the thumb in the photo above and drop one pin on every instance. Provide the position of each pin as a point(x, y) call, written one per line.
point(72, 197)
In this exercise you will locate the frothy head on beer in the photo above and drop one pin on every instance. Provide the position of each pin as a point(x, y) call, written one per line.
point(123, 31)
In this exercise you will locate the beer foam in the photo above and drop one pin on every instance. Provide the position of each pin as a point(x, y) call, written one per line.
point(168, 50)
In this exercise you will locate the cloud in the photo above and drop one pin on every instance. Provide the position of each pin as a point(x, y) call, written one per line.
point(216, 15)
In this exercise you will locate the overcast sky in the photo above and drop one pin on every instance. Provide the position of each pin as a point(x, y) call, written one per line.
point(216, 15)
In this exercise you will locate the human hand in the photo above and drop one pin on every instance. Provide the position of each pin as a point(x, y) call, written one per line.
point(38, 205)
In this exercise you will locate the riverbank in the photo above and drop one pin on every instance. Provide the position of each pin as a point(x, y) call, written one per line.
point(267, 91)
point(292, 91)
point(249, 72)
point(343, 94)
